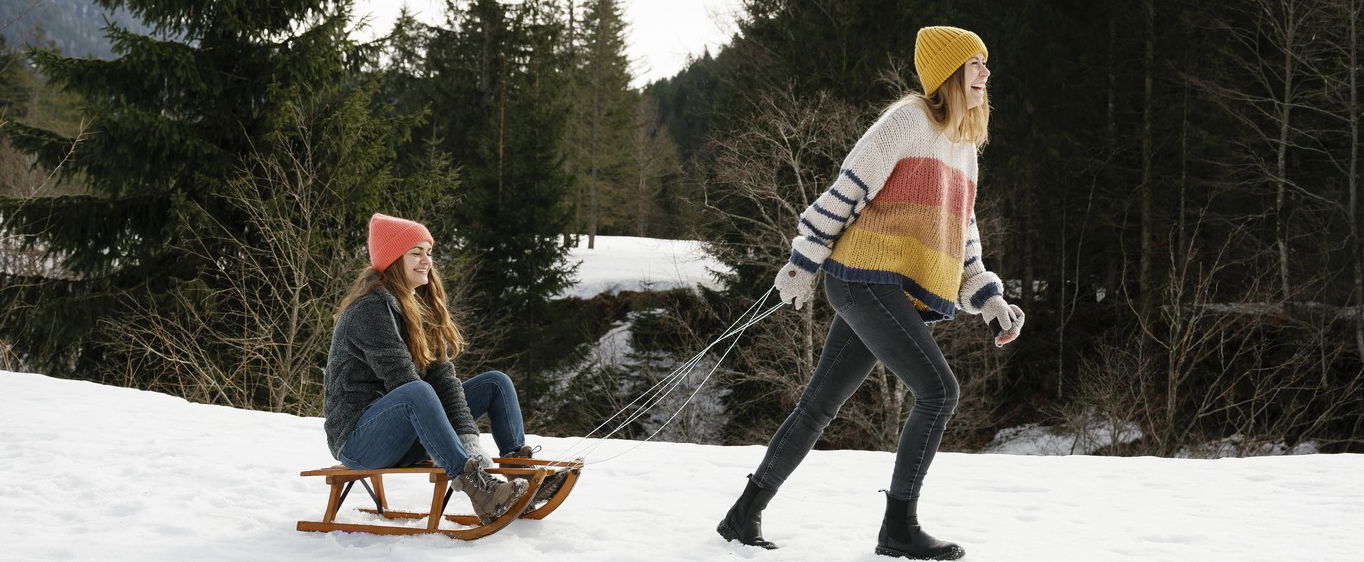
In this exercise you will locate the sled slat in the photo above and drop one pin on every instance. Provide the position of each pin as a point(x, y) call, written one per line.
point(337, 479)
point(538, 462)
point(462, 534)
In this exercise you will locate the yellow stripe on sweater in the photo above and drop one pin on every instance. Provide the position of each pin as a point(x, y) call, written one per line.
point(935, 227)
point(936, 272)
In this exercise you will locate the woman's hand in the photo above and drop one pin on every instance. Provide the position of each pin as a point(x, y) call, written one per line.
point(1006, 319)
point(474, 449)
point(795, 285)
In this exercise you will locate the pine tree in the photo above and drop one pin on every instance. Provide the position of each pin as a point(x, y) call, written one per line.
point(224, 93)
point(12, 80)
point(603, 115)
point(498, 108)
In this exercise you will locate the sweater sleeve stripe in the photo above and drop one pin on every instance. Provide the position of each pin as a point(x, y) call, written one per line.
point(856, 180)
point(803, 262)
point(827, 213)
point(839, 196)
point(978, 284)
point(989, 290)
point(817, 232)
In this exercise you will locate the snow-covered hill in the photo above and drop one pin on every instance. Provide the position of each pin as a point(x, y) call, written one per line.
point(627, 263)
point(93, 472)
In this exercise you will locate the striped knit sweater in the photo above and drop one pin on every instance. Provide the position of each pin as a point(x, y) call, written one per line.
point(902, 212)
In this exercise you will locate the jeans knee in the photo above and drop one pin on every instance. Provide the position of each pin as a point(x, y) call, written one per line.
point(417, 392)
point(416, 387)
point(815, 416)
point(951, 397)
point(944, 401)
point(502, 381)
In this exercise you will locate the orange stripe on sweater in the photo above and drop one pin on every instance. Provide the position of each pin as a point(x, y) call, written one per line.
point(929, 181)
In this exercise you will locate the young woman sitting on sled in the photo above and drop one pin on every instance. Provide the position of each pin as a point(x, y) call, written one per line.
point(391, 395)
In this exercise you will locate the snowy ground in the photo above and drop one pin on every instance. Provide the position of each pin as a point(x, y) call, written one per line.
point(626, 263)
point(102, 473)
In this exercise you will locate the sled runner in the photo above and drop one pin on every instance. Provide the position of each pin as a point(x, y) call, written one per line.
point(341, 479)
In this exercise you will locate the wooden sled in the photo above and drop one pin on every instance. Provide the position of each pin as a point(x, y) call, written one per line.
point(341, 479)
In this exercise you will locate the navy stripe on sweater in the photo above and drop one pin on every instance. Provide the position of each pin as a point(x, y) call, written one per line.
point(817, 231)
point(971, 261)
point(803, 262)
point(841, 197)
point(857, 180)
point(989, 290)
point(828, 213)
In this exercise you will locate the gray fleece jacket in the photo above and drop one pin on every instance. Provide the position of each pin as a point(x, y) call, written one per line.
point(369, 358)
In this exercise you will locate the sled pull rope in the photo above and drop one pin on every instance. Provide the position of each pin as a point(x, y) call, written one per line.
point(765, 314)
point(650, 397)
point(659, 391)
point(671, 382)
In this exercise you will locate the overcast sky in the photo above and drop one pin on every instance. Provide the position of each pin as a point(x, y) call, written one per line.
point(662, 34)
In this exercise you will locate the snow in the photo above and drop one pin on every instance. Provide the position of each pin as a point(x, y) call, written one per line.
point(1036, 439)
point(95, 472)
point(628, 263)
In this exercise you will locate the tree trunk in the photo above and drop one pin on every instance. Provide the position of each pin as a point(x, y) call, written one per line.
point(1148, 246)
point(592, 174)
point(1029, 274)
point(1281, 153)
point(501, 138)
point(641, 201)
point(1353, 14)
point(1184, 180)
point(571, 238)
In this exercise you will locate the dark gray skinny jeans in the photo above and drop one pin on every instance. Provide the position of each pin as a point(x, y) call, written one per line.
point(874, 322)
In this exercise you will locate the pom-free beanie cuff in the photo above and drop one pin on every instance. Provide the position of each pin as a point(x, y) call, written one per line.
point(941, 50)
point(390, 237)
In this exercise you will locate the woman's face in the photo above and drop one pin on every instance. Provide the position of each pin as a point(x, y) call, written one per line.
point(976, 75)
point(416, 264)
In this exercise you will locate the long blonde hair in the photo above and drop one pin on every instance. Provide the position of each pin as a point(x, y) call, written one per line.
point(948, 107)
point(431, 333)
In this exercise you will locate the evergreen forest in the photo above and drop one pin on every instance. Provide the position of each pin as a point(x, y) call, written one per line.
point(1170, 191)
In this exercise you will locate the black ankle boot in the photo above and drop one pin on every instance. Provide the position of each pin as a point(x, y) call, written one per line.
point(745, 520)
point(901, 535)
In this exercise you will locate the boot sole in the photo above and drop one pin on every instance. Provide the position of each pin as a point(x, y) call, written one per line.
point(953, 555)
point(519, 489)
point(729, 534)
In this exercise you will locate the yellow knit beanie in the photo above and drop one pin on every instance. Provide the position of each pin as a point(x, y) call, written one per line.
point(940, 50)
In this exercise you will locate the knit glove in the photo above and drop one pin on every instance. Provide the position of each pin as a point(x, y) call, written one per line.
point(795, 285)
point(1008, 317)
point(474, 449)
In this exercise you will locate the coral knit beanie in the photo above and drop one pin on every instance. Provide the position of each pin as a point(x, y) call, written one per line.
point(389, 237)
point(939, 51)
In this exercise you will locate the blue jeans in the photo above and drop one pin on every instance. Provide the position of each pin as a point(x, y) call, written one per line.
point(873, 322)
point(406, 425)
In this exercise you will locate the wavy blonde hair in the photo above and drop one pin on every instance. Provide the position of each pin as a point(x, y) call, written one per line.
point(431, 333)
point(948, 108)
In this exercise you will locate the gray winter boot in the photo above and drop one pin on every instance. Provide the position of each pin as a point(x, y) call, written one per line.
point(551, 484)
point(491, 496)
